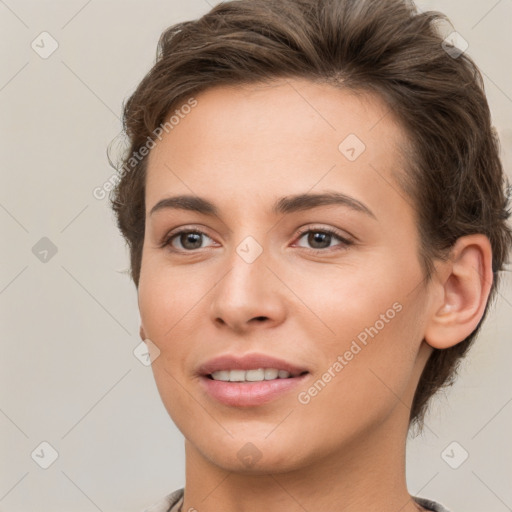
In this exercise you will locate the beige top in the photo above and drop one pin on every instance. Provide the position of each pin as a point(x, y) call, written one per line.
point(173, 502)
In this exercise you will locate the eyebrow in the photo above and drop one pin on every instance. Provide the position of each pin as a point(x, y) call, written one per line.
point(284, 205)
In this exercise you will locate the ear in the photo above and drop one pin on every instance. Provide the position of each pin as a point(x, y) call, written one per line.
point(142, 334)
point(462, 285)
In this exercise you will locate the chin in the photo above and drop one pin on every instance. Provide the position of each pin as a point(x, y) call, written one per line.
point(253, 456)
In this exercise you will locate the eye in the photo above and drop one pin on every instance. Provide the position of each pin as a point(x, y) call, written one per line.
point(189, 239)
point(320, 239)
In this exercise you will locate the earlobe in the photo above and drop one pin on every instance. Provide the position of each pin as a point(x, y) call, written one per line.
point(463, 285)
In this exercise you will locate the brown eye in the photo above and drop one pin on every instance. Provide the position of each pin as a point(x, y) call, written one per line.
point(318, 239)
point(188, 240)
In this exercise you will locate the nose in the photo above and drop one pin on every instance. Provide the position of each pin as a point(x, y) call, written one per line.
point(248, 295)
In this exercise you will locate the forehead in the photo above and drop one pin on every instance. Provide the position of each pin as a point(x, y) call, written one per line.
point(284, 136)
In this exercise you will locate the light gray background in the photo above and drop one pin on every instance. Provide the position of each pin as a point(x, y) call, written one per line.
point(69, 326)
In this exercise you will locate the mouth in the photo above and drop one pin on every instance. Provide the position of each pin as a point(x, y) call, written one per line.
point(256, 375)
point(250, 380)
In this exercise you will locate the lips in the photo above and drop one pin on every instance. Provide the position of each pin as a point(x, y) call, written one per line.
point(249, 362)
point(245, 392)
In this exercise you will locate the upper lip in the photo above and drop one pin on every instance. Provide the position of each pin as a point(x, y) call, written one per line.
point(248, 362)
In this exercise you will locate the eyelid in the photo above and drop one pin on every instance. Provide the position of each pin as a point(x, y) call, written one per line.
point(346, 239)
point(327, 229)
point(168, 236)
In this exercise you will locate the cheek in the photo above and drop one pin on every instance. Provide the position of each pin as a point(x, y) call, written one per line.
point(168, 317)
point(171, 306)
point(353, 296)
point(362, 383)
point(166, 298)
point(376, 329)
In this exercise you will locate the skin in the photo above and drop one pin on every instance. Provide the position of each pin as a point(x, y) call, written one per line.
point(242, 148)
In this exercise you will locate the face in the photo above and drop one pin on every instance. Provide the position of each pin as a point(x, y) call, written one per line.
point(328, 288)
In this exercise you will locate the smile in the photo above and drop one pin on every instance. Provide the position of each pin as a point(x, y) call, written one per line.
point(256, 375)
point(250, 388)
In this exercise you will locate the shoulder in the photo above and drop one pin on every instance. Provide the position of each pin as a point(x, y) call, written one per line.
point(170, 503)
point(173, 501)
point(430, 505)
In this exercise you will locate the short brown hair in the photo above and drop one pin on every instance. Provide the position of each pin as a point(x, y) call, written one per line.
point(454, 177)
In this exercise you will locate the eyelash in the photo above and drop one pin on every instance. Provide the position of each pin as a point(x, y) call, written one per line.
point(345, 242)
point(166, 242)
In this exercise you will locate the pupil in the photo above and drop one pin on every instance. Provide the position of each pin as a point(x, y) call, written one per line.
point(190, 237)
point(319, 237)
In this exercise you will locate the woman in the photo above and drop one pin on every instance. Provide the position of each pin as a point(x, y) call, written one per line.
point(315, 210)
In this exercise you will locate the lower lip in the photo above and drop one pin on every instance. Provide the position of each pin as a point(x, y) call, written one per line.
point(248, 394)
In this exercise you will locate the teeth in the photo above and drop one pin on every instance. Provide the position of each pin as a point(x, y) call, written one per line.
point(237, 375)
point(250, 375)
point(271, 373)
